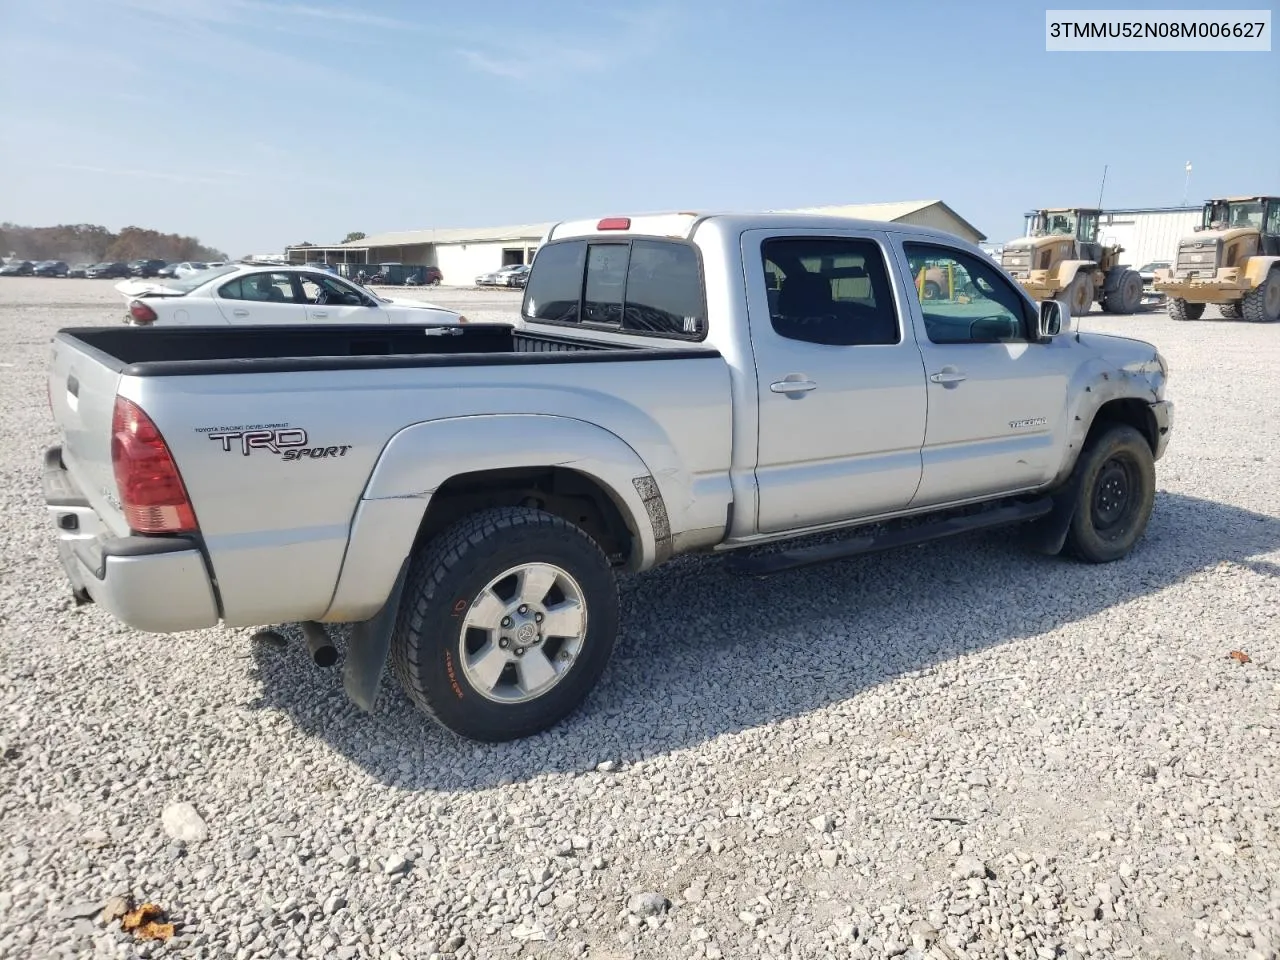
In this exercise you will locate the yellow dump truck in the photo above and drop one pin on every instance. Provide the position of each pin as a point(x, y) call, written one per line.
point(1232, 260)
point(1062, 259)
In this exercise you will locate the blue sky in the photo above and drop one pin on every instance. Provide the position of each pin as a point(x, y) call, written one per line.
point(256, 123)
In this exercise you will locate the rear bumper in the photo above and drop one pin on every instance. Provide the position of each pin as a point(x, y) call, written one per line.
point(1163, 412)
point(153, 584)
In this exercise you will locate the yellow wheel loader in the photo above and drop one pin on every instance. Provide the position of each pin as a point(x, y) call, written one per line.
point(1062, 259)
point(1232, 259)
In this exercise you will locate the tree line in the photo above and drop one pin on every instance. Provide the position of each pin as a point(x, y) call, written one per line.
point(86, 242)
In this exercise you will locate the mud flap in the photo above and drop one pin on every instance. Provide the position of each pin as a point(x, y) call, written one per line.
point(1048, 534)
point(368, 647)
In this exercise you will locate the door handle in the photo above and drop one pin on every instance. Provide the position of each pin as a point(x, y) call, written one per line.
point(793, 386)
point(319, 313)
point(240, 312)
point(948, 376)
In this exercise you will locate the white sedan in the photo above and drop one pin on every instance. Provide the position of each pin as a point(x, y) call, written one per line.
point(239, 293)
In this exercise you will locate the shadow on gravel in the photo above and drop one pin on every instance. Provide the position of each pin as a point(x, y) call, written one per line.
point(703, 653)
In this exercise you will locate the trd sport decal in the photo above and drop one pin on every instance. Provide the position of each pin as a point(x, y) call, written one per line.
point(287, 443)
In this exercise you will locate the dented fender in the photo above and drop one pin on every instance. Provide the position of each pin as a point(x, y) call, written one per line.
point(1120, 369)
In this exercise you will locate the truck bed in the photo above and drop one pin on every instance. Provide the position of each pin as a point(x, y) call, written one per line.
point(200, 351)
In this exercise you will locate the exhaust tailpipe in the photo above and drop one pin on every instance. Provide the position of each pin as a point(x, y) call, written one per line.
point(323, 652)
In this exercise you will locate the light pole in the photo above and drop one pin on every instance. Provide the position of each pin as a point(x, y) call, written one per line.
point(1186, 187)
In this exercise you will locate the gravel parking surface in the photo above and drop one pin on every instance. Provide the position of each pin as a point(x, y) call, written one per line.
point(960, 751)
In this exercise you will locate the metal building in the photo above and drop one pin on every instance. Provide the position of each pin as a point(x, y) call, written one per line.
point(464, 254)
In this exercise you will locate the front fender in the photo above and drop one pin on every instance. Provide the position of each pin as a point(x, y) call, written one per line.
point(1257, 268)
point(1095, 384)
point(1067, 270)
point(419, 459)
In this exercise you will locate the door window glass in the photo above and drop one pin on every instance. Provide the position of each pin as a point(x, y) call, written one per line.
point(963, 299)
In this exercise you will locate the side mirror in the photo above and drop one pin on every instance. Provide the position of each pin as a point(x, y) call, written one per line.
point(1053, 316)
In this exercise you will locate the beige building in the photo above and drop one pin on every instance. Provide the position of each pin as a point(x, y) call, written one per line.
point(463, 254)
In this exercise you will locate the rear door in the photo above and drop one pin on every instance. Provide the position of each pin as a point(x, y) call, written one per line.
point(330, 300)
point(841, 386)
point(997, 400)
point(263, 297)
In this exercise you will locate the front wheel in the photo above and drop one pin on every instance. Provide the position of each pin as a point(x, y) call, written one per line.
point(1115, 493)
point(1078, 295)
point(1180, 309)
point(1262, 304)
point(508, 621)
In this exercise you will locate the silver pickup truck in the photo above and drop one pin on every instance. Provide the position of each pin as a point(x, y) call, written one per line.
point(465, 497)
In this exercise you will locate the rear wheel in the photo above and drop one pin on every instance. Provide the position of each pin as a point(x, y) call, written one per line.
point(1079, 295)
point(1183, 310)
point(1115, 492)
point(1262, 304)
point(1126, 296)
point(1230, 311)
point(508, 621)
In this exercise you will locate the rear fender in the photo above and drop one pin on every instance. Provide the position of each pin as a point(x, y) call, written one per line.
point(420, 459)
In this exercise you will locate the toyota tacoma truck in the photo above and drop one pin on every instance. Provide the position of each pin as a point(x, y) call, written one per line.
point(466, 497)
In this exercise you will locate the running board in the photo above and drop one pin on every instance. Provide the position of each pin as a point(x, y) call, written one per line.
point(765, 565)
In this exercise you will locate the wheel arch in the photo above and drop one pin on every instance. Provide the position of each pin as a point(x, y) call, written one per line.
point(433, 473)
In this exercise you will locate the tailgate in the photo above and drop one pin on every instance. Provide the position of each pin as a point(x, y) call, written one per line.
point(82, 392)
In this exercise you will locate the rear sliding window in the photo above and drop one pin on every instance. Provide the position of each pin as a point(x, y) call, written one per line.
point(637, 286)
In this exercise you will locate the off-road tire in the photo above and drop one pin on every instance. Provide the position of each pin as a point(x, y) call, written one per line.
point(1262, 303)
point(1231, 311)
point(1078, 295)
point(1126, 296)
point(445, 577)
point(1180, 309)
point(1117, 452)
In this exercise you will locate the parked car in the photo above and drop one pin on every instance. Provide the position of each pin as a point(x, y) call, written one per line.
point(79, 270)
point(168, 270)
point(1150, 295)
point(239, 293)
point(107, 270)
point(499, 278)
point(189, 268)
point(471, 492)
point(51, 268)
point(425, 277)
point(18, 268)
point(519, 277)
point(145, 267)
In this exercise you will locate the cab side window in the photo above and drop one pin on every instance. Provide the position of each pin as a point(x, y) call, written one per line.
point(829, 290)
point(965, 300)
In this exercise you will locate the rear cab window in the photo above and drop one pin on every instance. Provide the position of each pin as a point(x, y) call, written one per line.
point(639, 285)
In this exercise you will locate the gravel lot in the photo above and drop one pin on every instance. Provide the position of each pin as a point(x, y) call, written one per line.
point(961, 751)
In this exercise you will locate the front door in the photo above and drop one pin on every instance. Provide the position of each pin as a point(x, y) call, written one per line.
point(997, 399)
point(330, 300)
point(840, 385)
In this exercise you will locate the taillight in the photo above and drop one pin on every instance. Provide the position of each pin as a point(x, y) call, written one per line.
point(141, 313)
point(614, 223)
point(152, 493)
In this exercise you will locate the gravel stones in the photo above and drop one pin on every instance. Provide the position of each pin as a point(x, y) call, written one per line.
point(182, 823)
point(1131, 806)
point(647, 904)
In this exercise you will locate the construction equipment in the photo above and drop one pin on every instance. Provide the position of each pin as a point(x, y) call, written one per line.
point(1232, 259)
point(1062, 259)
